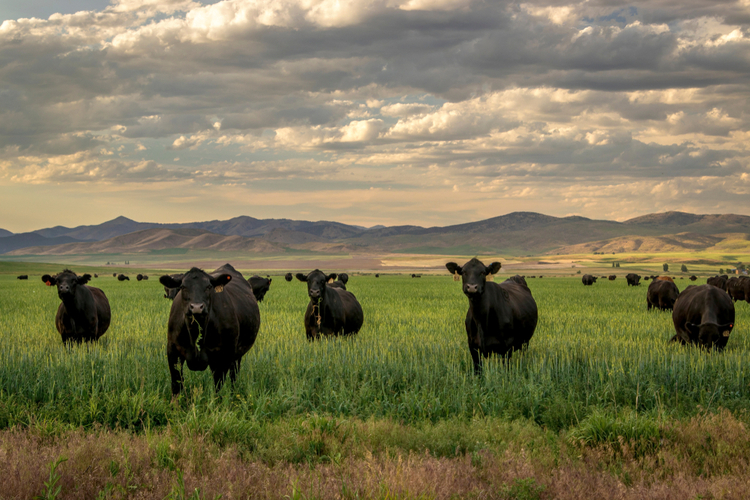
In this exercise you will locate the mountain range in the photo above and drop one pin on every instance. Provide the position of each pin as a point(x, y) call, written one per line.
point(515, 233)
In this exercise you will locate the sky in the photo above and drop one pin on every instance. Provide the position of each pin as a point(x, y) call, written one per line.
point(428, 112)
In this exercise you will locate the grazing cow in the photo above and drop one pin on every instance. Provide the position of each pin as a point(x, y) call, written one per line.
point(588, 280)
point(501, 317)
point(23, 277)
point(332, 311)
point(633, 279)
point(83, 314)
point(521, 280)
point(693, 278)
point(171, 293)
point(260, 286)
point(661, 294)
point(288, 277)
point(416, 275)
point(122, 277)
point(612, 277)
point(604, 277)
point(704, 316)
point(344, 278)
point(114, 275)
point(139, 277)
point(646, 278)
point(718, 282)
point(213, 322)
point(735, 288)
point(96, 275)
point(377, 275)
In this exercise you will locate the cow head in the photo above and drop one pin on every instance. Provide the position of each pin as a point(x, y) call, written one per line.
point(709, 334)
point(474, 275)
point(66, 282)
point(196, 291)
point(316, 283)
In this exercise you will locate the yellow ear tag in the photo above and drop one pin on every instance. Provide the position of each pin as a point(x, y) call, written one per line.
point(726, 333)
point(219, 289)
point(456, 276)
point(330, 280)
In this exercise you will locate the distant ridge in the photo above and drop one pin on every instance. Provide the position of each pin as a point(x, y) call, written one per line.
point(4, 233)
point(514, 233)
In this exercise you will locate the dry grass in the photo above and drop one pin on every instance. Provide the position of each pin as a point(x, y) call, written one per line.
point(705, 457)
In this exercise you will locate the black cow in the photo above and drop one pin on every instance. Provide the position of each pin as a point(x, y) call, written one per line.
point(518, 279)
point(612, 277)
point(377, 275)
point(96, 275)
point(735, 288)
point(83, 314)
point(331, 310)
point(746, 285)
point(344, 278)
point(693, 278)
point(171, 293)
point(501, 317)
point(139, 277)
point(260, 286)
point(114, 275)
point(703, 315)
point(718, 281)
point(588, 280)
point(288, 277)
point(633, 279)
point(213, 322)
point(122, 277)
point(23, 277)
point(646, 278)
point(416, 275)
point(661, 294)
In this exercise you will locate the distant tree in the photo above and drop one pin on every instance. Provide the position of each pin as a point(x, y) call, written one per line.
point(613, 264)
point(578, 272)
point(683, 268)
point(741, 266)
point(665, 267)
point(618, 265)
point(721, 271)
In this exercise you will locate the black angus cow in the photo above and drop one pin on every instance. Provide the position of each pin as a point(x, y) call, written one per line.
point(416, 275)
point(646, 278)
point(96, 275)
point(718, 281)
point(661, 294)
point(588, 280)
point(746, 285)
point(612, 277)
point(501, 317)
point(84, 313)
point(331, 310)
point(377, 275)
point(23, 277)
point(693, 278)
point(521, 280)
point(114, 275)
point(703, 315)
point(140, 277)
point(122, 277)
point(171, 293)
point(336, 283)
point(213, 322)
point(735, 288)
point(260, 286)
point(288, 277)
point(633, 279)
point(344, 278)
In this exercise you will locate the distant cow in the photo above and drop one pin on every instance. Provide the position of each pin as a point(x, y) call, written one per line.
point(96, 275)
point(139, 277)
point(122, 277)
point(171, 293)
point(612, 277)
point(646, 278)
point(588, 280)
point(331, 311)
point(83, 314)
point(416, 275)
point(213, 322)
point(114, 275)
point(521, 280)
point(377, 275)
point(344, 278)
point(23, 277)
point(735, 288)
point(693, 278)
point(633, 279)
point(260, 286)
point(703, 315)
point(661, 294)
point(501, 317)
point(288, 277)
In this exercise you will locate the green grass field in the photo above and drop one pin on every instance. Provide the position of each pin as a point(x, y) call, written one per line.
point(595, 349)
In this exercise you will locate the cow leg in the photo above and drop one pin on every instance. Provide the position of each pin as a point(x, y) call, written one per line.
point(220, 373)
point(175, 370)
point(473, 335)
point(234, 369)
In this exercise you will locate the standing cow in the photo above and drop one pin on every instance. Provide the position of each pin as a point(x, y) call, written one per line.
point(23, 277)
point(588, 280)
point(518, 279)
point(260, 286)
point(83, 314)
point(213, 322)
point(501, 317)
point(736, 288)
point(331, 310)
point(704, 316)
point(661, 294)
point(122, 277)
point(288, 277)
point(633, 279)
point(718, 281)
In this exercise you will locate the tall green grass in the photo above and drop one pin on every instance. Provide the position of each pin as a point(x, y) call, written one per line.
point(595, 349)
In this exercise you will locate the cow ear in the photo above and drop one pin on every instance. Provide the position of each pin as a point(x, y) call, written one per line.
point(331, 277)
point(453, 268)
point(692, 328)
point(270, 280)
point(170, 282)
point(82, 280)
point(49, 280)
point(220, 280)
point(301, 277)
point(493, 268)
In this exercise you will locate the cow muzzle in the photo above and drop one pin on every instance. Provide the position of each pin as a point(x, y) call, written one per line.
point(197, 309)
point(471, 289)
point(314, 294)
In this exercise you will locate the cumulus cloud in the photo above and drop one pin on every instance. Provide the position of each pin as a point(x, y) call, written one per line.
point(496, 99)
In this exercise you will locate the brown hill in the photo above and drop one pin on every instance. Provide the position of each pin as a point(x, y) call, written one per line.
point(683, 242)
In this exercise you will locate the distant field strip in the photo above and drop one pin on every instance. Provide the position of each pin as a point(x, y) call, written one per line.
point(595, 348)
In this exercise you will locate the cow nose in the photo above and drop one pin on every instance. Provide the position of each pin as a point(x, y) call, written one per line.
point(197, 308)
point(470, 288)
point(64, 288)
point(314, 294)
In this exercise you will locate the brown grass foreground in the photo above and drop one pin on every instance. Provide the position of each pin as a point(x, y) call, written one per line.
point(705, 457)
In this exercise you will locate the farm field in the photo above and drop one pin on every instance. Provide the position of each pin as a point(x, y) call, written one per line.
point(598, 373)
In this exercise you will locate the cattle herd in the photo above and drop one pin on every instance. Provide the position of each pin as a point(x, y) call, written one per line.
point(214, 319)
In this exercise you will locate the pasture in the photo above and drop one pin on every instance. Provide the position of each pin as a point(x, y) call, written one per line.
point(595, 349)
